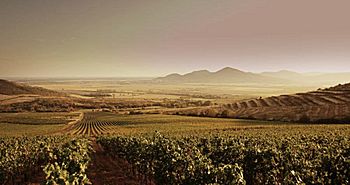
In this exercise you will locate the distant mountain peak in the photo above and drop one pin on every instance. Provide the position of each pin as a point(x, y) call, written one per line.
point(228, 70)
point(173, 75)
point(225, 75)
point(201, 71)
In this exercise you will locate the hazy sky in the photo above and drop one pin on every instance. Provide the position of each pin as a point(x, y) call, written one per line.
point(156, 37)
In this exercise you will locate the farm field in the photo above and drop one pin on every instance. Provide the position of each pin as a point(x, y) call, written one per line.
point(321, 106)
point(38, 118)
point(49, 159)
point(144, 137)
point(120, 141)
point(138, 89)
point(293, 155)
point(5, 99)
point(13, 130)
point(105, 123)
point(99, 123)
point(174, 92)
point(33, 124)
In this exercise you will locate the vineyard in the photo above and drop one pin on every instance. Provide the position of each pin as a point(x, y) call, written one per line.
point(174, 92)
point(61, 160)
point(257, 158)
point(327, 106)
point(37, 118)
point(314, 106)
point(168, 149)
point(228, 153)
point(92, 125)
point(105, 123)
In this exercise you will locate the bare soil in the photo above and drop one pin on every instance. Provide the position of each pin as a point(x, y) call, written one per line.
point(105, 170)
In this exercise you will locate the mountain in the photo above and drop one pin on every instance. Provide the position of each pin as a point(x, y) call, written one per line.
point(12, 88)
point(231, 75)
point(225, 75)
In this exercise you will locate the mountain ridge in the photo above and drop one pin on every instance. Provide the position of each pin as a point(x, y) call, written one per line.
point(225, 75)
point(233, 75)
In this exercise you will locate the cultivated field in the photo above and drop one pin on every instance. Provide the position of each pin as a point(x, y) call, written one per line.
point(99, 123)
point(322, 106)
point(139, 89)
point(281, 155)
point(218, 150)
point(34, 124)
point(38, 118)
point(101, 135)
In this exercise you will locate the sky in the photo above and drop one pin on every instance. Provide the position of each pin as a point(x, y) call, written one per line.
point(124, 38)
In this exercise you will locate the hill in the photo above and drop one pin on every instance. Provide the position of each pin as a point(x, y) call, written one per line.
point(225, 75)
point(231, 75)
point(340, 87)
point(12, 88)
point(331, 105)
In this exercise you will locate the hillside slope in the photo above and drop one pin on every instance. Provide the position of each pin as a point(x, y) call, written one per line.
point(12, 88)
point(330, 105)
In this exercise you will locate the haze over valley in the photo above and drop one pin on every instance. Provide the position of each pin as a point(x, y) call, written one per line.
point(232, 75)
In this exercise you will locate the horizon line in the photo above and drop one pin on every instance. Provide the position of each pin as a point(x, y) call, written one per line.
point(156, 76)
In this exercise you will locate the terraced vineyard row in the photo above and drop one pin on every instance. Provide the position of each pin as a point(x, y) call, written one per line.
point(102, 123)
point(90, 125)
point(323, 105)
point(328, 105)
point(317, 98)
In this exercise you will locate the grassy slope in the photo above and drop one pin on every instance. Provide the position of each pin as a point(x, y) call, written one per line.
point(37, 118)
point(16, 124)
point(28, 130)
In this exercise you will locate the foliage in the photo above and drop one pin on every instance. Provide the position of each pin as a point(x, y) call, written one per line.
point(318, 158)
point(67, 165)
point(22, 157)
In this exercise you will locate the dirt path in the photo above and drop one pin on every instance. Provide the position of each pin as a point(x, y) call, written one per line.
point(38, 179)
point(103, 170)
point(70, 125)
point(107, 171)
